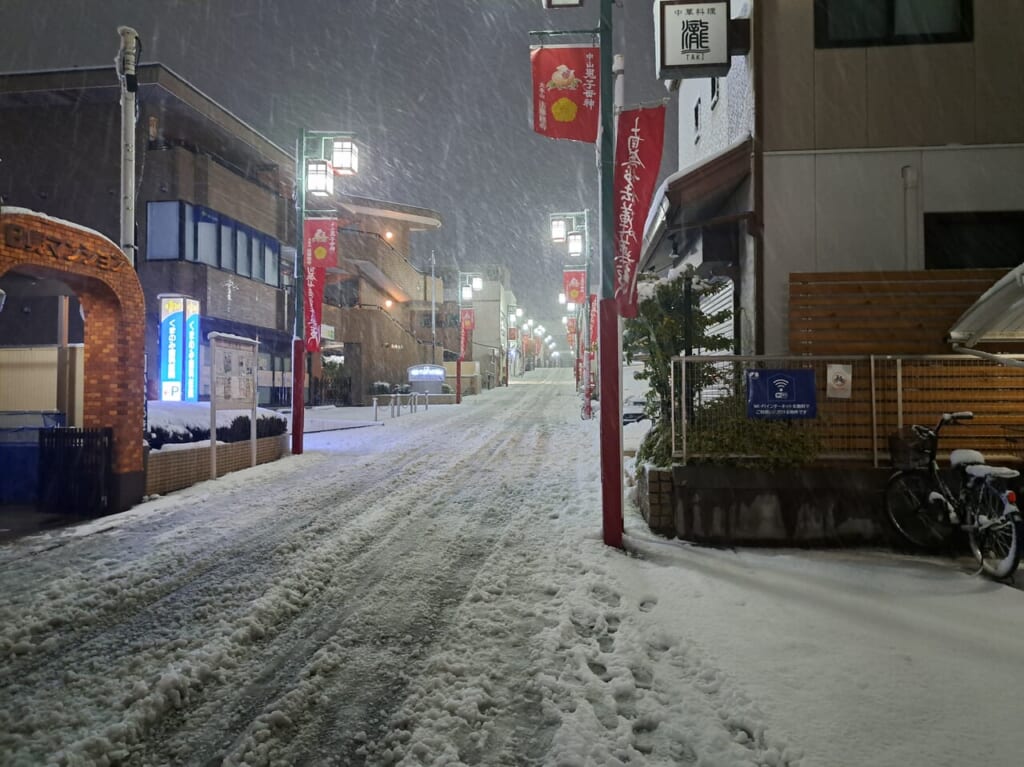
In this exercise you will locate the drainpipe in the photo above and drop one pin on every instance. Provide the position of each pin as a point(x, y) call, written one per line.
point(911, 230)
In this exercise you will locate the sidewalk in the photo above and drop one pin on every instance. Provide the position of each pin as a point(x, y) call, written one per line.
point(24, 519)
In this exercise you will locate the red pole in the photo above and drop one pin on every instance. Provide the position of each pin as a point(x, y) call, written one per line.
point(298, 384)
point(458, 381)
point(611, 423)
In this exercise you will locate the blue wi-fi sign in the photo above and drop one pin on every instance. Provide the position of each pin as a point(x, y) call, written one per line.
point(781, 394)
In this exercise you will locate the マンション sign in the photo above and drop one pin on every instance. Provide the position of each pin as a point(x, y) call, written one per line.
point(48, 246)
point(691, 38)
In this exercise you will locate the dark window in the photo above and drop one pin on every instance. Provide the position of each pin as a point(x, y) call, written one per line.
point(983, 240)
point(163, 231)
point(863, 23)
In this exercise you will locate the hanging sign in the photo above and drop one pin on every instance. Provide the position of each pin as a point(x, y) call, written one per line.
point(781, 394)
point(840, 381)
point(320, 250)
point(640, 135)
point(574, 283)
point(566, 91)
point(312, 304)
point(691, 38)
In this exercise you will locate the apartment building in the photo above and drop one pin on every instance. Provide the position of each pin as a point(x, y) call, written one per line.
point(872, 136)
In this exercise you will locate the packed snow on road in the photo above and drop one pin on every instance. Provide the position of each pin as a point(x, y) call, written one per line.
point(433, 589)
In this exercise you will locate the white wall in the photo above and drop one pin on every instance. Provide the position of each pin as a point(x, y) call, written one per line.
point(853, 211)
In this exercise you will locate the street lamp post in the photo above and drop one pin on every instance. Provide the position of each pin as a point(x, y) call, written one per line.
point(578, 240)
point(469, 283)
point(319, 157)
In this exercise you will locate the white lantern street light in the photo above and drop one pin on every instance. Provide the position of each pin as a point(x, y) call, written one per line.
point(576, 244)
point(345, 157)
point(319, 179)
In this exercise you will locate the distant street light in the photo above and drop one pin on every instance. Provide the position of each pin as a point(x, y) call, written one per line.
point(574, 228)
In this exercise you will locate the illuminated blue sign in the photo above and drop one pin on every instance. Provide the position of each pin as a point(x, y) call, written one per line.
point(781, 394)
point(190, 355)
point(179, 349)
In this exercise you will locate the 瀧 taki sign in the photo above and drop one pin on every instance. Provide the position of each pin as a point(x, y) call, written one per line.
point(691, 38)
point(566, 91)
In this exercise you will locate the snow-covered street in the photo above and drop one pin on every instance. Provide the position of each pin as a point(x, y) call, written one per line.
point(435, 590)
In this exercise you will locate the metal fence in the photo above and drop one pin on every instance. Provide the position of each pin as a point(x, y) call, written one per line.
point(860, 401)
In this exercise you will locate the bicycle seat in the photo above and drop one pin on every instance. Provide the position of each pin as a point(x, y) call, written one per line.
point(960, 456)
point(981, 471)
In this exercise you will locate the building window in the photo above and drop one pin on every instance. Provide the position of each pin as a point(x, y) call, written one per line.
point(163, 231)
point(866, 23)
point(696, 122)
point(714, 91)
point(979, 240)
point(177, 230)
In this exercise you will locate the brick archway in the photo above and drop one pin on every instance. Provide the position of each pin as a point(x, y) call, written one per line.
point(111, 297)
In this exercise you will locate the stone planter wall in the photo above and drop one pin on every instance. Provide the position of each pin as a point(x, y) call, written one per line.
point(788, 507)
point(181, 467)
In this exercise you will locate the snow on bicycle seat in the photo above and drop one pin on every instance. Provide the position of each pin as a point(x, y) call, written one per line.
point(982, 470)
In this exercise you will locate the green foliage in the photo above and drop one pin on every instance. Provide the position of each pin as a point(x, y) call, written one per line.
point(656, 335)
point(721, 429)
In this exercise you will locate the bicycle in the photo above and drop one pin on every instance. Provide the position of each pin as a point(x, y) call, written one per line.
point(926, 511)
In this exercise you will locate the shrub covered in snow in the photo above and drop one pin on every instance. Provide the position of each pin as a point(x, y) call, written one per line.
point(175, 423)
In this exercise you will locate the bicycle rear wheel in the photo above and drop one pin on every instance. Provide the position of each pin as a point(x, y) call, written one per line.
point(908, 503)
point(995, 535)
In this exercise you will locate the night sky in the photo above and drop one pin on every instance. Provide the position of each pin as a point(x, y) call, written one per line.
point(437, 92)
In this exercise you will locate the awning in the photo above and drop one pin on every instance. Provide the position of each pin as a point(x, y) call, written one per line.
point(690, 198)
point(998, 316)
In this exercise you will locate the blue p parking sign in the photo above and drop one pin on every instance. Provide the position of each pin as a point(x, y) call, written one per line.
point(781, 394)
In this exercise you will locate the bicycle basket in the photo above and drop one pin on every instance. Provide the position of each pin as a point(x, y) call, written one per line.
point(909, 450)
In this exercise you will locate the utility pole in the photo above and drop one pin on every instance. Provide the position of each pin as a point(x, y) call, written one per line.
point(127, 59)
point(433, 311)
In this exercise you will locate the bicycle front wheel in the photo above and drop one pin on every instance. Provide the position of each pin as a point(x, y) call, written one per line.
point(995, 534)
point(908, 502)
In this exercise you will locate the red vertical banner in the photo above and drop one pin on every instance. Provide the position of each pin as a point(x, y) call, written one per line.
point(467, 322)
point(319, 253)
point(593, 324)
point(640, 135)
point(566, 91)
point(320, 250)
point(570, 325)
point(574, 283)
point(313, 300)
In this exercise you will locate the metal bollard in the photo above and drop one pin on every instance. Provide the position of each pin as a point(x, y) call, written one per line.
point(393, 396)
point(374, 408)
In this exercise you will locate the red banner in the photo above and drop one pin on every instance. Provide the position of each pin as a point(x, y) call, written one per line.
point(467, 322)
point(313, 299)
point(575, 285)
point(566, 91)
point(320, 248)
point(640, 134)
point(570, 325)
point(593, 324)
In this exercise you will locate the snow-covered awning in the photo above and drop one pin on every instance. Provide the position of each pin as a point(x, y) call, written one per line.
point(998, 316)
point(689, 198)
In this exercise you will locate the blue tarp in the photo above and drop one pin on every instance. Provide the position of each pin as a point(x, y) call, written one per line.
point(19, 452)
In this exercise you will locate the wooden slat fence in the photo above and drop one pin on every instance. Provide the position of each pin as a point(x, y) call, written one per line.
point(837, 313)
